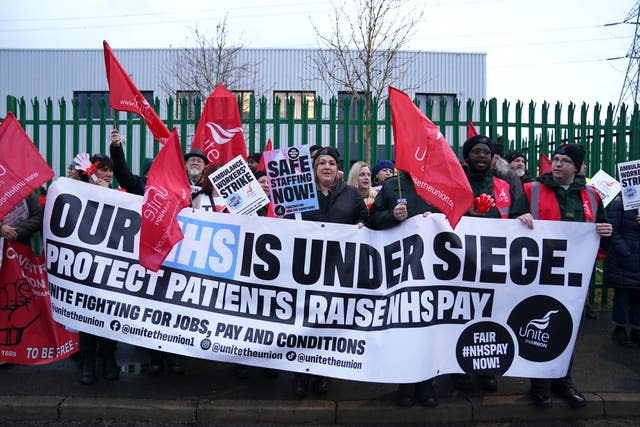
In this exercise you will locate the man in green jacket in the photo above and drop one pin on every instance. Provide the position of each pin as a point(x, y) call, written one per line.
point(562, 195)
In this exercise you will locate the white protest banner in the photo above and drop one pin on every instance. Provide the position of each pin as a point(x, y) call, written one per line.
point(400, 305)
point(291, 182)
point(606, 185)
point(237, 184)
point(629, 174)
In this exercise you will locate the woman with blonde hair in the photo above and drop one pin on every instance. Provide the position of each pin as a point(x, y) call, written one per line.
point(360, 177)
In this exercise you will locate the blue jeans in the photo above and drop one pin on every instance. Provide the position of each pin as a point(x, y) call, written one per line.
point(626, 307)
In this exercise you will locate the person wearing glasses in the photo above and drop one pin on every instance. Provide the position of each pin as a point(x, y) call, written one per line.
point(562, 195)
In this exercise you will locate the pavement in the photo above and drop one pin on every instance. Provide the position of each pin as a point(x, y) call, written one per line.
point(208, 393)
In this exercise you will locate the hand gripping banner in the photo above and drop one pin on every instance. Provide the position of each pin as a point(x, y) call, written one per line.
point(399, 306)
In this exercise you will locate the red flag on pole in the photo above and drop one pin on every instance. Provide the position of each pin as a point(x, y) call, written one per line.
point(544, 164)
point(166, 193)
point(125, 96)
point(219, 132)
point(25, 310)
point(471, 130)
point(22, 168)
point(422, 151)
point(261, 164)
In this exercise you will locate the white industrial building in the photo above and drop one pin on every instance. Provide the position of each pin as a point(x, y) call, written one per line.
point(64, 73)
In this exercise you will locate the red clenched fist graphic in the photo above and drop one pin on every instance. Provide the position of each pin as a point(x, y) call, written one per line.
point(16, 311)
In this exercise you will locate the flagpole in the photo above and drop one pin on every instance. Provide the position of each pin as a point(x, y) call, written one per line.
point(399, 186)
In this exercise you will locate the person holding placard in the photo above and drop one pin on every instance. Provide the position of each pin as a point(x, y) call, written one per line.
point(338, 203)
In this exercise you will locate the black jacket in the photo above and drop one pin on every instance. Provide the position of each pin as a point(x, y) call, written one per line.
point(134, 184)
point(343, 205)
point(622, 264)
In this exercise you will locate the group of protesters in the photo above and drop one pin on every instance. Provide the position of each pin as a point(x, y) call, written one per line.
point(379, 197)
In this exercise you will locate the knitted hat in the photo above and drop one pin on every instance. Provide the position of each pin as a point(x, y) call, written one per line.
point(514, 155)
point(327, 151)
point(574, 151)
point(475, 140)
point(259, 174)
point(194, 152)
point(381, 164)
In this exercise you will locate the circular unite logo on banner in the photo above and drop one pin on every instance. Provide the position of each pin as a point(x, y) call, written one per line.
point(543, 326)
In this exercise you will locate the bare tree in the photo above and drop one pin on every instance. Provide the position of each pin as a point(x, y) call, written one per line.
point(362, 53)
point(208, 61)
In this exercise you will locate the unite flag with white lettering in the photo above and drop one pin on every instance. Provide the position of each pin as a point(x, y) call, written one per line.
point(22, 168)
point(125, 96)
point(166, 193)
point(219, 132)
point(423, 152)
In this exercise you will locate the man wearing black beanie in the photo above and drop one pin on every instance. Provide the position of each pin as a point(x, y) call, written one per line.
point(494, 197)
point(562, 195)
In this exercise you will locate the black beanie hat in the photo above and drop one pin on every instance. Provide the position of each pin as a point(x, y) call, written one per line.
point(475, 140)
point(259, 174)
point(327, 151)
point(574, 151)
point(514, 155)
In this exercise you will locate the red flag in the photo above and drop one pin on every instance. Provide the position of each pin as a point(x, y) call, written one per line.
point(270, 212)
point(22, 168)
point(26, 322)
point(268, 147)
point(125, 96)
point(544, 164)
point(219, 132)
point(471, 131)
point(422, 151)
point(166, 193)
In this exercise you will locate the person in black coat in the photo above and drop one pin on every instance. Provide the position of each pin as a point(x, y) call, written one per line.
point(133, 184)
point(338, 203)
point(396, 201)
point(622, 271)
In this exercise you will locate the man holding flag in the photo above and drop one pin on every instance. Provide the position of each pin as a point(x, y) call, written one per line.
point(431, 180)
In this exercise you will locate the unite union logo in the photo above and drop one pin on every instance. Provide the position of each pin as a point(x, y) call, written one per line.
point(534, 333)
point(220, 135)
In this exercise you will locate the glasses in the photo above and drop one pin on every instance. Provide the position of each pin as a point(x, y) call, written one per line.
point(563, 162)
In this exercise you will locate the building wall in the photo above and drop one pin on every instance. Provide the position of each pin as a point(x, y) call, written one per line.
point(58, 73)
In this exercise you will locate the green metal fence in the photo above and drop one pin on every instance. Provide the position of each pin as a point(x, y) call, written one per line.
point(60, 133)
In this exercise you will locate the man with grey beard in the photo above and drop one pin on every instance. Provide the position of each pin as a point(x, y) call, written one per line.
point(194, 162)
point(518, 163)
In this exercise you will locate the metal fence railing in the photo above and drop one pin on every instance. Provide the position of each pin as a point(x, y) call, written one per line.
point(359, 131)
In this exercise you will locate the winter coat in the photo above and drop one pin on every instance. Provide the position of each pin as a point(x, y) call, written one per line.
point(484, 183)
point(622, 263)
point(26, 217)
point(387, 199)
point(343, 205)
point(134, 184)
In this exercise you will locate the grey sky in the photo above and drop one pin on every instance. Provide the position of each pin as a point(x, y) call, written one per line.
point(536, 49)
